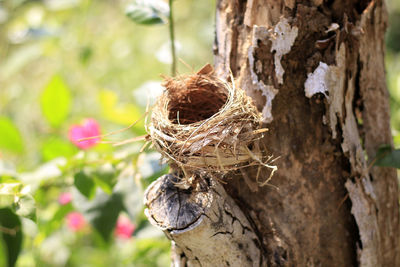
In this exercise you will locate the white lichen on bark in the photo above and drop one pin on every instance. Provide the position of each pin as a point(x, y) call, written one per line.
point(282, 40)
point(282, 37)
point(261, 33)
point(316, 81)
point(329, 79)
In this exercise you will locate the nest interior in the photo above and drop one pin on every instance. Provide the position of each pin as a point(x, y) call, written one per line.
point(194, 103)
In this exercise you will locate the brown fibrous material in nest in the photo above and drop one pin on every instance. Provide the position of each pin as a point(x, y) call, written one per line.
point(204, 124)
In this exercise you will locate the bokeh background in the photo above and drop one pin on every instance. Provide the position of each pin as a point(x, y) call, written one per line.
point(62, 61)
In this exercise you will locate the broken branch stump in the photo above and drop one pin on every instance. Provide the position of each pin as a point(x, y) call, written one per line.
point(205, 225)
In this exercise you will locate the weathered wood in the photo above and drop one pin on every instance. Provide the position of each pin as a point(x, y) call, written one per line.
point(206, 226)
point(316, 71)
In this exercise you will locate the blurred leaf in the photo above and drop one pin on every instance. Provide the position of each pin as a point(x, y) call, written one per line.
point(8, 193)
point(108, 98)
point(56, 147)
point(62, 212)
point(124, 114)
point(15, 197)
point(85, 54)
point(387, 157)
point(55, 101)
point(147, 12)
point(85, 184)
point(8, 179)
point(393, 34)
point(57, 219)
point(396, 140)
point(26, 207)
point(10, 231)
point(149, 252)
point(10, 138)
point(6, 200)
point(3, 252)
point(106, 178)
point(103, 184)
point(102, 212)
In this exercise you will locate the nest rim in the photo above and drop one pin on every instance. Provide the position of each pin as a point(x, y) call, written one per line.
point(192, 147)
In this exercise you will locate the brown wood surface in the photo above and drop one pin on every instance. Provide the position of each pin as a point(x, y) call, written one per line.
point(315, 69)
point(325, 143)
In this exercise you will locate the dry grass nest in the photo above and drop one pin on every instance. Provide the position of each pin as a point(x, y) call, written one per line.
point(204, 124)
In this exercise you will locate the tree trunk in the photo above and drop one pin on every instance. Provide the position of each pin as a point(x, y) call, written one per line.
point(316, 71)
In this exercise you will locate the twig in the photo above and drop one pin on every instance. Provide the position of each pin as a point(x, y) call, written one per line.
point(172, 38)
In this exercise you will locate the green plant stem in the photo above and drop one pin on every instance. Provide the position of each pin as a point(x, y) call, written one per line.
point(172, 38)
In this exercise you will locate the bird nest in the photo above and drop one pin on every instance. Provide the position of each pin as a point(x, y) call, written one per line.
point(204, 124)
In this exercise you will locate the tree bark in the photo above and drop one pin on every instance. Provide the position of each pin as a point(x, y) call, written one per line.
point(206, 226)
point(316, 71)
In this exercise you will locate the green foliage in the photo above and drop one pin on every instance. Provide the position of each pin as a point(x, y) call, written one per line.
point(102, 212)
point(73, 60)
point(10, 235)
point(26, 207)
point(55, 101)
point(85, 54)
point(14, 195)
point(122, 113)
point(8, 192)
point(85, 184)
point(147, 12)
point(106, 177)
point(55, 147)
point(3, 253)
point(10, 138)
point(393, 34)
point(388, 157)
point(147, 252)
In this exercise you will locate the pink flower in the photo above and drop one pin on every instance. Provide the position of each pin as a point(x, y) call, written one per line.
point(75, 221)
point(65, 198)
point(88, 128)
point(124, 228)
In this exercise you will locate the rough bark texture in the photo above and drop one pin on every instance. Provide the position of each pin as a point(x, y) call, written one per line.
point(315, 69)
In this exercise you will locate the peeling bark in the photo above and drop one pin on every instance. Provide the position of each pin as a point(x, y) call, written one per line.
point(326, 105)
point(315, 70)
